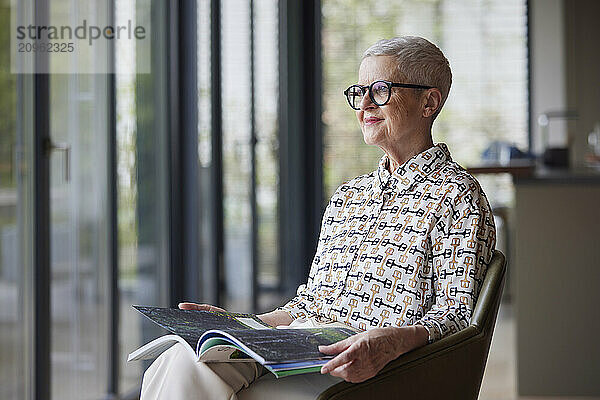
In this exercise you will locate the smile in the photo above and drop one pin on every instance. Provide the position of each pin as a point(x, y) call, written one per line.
point(372, 120)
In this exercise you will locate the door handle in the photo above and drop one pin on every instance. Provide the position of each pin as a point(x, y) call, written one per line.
point(50, 146)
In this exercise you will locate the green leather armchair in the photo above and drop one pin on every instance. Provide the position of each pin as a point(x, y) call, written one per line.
point(451, 368)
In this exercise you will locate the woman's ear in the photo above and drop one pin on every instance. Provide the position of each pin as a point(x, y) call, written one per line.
point(433, 100)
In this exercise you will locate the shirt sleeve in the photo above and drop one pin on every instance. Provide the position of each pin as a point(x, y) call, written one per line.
point(461, 248)
point(298, 307)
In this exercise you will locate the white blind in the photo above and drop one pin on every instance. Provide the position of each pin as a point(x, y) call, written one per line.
point(486, 44)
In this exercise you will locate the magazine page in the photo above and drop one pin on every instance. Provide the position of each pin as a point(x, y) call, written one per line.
point(217, 349)
point(155, 348)
point(191, 324)
point(276, 346)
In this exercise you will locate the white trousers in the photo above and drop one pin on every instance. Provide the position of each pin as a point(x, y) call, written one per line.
point(175, 374)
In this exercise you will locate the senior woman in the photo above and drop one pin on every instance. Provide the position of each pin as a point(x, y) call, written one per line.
point(402, 250)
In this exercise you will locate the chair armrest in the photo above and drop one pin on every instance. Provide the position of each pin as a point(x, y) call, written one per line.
point(422, 361)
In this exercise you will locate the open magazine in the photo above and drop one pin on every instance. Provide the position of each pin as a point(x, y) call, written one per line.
point(214, 336)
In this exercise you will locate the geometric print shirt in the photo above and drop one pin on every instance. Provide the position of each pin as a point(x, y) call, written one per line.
point(402, 248)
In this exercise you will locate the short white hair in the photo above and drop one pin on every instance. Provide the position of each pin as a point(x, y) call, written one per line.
point(419, 61)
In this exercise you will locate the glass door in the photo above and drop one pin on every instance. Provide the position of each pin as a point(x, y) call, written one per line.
point(80, 223)
point(79, 231)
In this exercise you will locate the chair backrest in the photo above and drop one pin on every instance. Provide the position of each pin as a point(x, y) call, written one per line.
point(485, 313)
point(488, 302)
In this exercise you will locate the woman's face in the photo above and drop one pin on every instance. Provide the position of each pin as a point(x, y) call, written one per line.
point(399, 121)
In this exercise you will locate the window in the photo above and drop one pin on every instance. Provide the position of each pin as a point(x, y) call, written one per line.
point(249, 96)
point(142, 168)
point(112, 216)
point(16, 230)
point(486, 44)
point(266, 100)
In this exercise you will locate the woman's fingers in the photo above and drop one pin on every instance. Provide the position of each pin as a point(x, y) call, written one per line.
point(343, 371)
point(341, 359)
point(191, 306)
point(337, 347)
point(343, 351)
point(199, 307)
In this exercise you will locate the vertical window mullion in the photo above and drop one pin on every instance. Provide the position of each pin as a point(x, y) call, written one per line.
point(217, 151)
point(175, 220)
point(253, 141)
point(42, 245)
point(113, 245)
point(42, 318)
point(189, 118)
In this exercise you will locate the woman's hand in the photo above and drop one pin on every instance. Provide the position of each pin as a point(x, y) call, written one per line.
point(276, 318)
point(200, 307)
point(363, 355)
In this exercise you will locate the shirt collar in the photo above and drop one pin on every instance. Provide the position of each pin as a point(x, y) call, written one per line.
point(412, 171)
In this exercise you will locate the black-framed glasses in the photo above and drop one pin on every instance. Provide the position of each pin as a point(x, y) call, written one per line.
point(380, 92)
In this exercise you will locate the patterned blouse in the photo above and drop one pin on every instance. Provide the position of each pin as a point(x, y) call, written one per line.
point(402, 248)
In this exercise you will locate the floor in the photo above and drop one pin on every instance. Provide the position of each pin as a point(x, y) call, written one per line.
point(500, 377)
